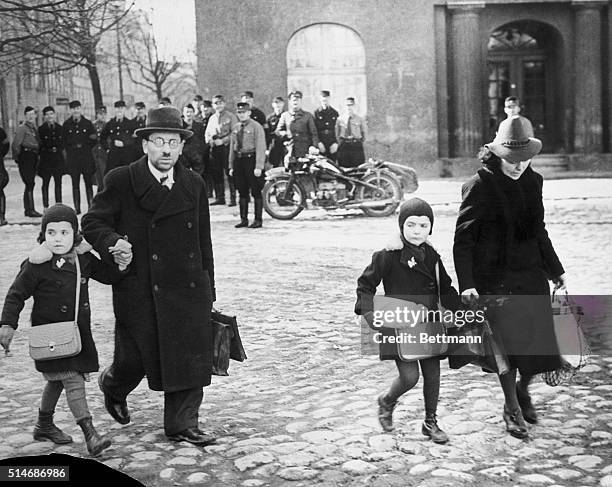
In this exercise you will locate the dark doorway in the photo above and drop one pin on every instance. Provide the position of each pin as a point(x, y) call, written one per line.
point(521, 62)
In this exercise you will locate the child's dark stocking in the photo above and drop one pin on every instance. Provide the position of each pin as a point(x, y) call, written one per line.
point(431, 391)
point(45, 429)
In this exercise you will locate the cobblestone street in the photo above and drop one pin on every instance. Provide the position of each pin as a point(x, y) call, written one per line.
point(301, 410)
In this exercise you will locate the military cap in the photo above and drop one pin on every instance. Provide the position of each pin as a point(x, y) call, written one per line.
point(219, 97)
point(189, 105)
point(165, 100)
point(248, 94)
point(295, 94)
point(350, 100)
point(278, 98)
point(101, 109)
point(243, 107)
point(74, 104)
point(207, 103)
point(139, 104)
point(198, 98)
point(120, 104)
point(324, 93)
point(28, 109)
point(48, 109)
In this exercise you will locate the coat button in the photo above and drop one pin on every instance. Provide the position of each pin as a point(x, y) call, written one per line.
point(85, 304)
point(192, 284)
point(63, 308)
point(153, 225)
point(155, 287)
point(189, 224)
point(191, 255)
point(59, 283)
point(154, 257)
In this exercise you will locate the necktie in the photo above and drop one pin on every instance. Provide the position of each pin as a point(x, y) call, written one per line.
point(349, 133)
point(162, 181)
point(240, 136)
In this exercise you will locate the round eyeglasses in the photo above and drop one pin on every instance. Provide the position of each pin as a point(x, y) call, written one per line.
point(160, 141)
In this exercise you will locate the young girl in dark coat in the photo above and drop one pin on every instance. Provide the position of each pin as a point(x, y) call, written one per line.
point(409, 271)
point(49, 276)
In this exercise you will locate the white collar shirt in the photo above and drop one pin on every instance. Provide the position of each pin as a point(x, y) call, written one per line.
point(157, 174)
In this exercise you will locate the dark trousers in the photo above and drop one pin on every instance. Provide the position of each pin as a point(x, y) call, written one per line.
point(28, 162)
point(125, 373)
point(219, 163)
point(350, 154)
point(57, 186)
point(245, 179)
point(277, 153)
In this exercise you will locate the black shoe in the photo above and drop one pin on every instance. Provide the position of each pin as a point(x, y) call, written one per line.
point(45, 429)
point(193, 435)
point(217, 202)
point(256, 224)
point(385, 414)
point(117, 409)
point(232, 202)
point(242, 224)
point(430, 428)
point(524, 400)
point(515, 424)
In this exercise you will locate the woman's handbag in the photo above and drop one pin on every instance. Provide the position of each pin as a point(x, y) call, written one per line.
point(226, 342)
point(58, 340)
point(480, 347)
point(433, 346)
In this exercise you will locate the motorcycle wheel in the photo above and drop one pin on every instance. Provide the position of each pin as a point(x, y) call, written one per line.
point(280, 205)
point(387, 187)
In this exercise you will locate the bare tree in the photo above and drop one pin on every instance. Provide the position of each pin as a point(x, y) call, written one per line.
point(13, 11)
point(143, 62)
point(72, 34)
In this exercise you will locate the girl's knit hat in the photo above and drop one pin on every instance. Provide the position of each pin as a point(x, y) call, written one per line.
point(60, 213)
point(415, 207)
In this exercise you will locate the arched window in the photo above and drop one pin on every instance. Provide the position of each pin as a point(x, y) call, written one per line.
point(327, 57)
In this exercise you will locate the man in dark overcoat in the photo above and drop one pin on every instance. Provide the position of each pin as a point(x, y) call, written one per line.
point(79, 137)
point(51, 164)
point(193, 151)
point(118, 137)
point(158, 210)
point(298, 125)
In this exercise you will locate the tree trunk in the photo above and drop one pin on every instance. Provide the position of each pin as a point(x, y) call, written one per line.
point(95, 84)
point(158, 89)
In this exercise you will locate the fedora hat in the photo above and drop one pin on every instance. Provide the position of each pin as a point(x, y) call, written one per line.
point(514, 140)
point(164, 119)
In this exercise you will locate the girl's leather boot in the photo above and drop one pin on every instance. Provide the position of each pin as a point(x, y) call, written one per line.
point(95, 442)
point(45, 429)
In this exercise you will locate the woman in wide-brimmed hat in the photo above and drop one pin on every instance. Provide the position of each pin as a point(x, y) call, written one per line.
point(502, 247)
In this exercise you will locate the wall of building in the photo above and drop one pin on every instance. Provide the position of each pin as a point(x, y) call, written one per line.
point(246, 49)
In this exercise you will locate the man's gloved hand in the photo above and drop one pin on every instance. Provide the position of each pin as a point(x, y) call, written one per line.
point(470, 296)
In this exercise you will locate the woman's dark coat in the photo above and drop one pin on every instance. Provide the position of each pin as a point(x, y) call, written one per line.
point(502, 247)
point(164, 302)
point(416, 283)
point(54, 292)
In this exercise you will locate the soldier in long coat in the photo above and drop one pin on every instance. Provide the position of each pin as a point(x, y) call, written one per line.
point(162, 306)
point(51, 163)
point(298, 125)
point(117, 135)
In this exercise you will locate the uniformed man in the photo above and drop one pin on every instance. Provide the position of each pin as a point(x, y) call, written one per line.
point(351, 133)
point(325, 121)
point(207, 110)
point(217, 136)
point(99, 150)
point(118, 137)
point(247, 156)
point(51, 164)
point(276, 149)
point(139, 122)
point(256, 113)
point(26, 145)
point(164, 101)
point(197, 104)
point(298, 126)
point(79, 136)
point(194, 147)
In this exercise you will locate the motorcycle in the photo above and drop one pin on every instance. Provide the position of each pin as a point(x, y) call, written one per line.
point(376, 187)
